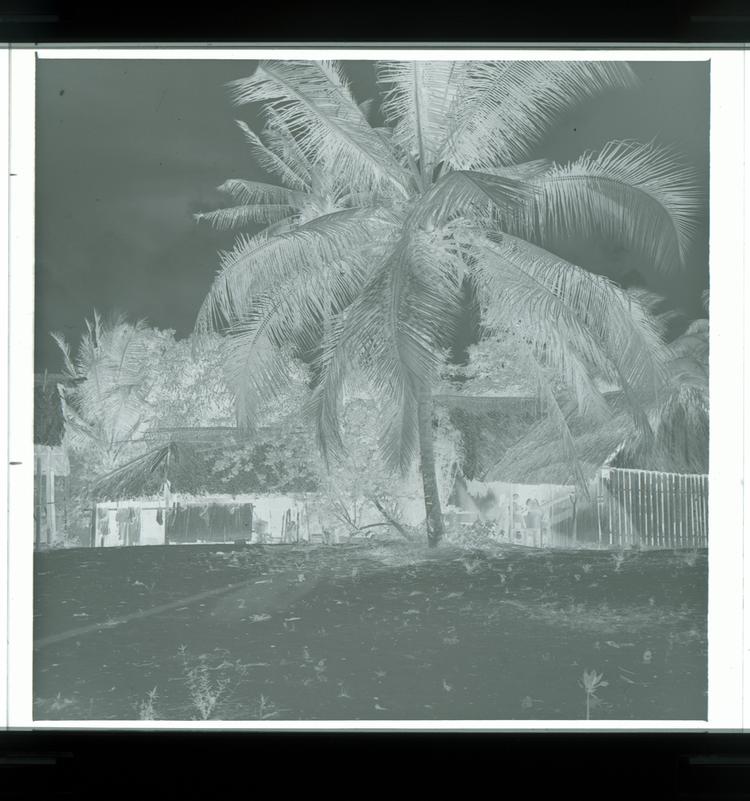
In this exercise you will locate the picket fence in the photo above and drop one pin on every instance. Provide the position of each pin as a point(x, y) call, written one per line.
point(625, 508)
point(649, 509)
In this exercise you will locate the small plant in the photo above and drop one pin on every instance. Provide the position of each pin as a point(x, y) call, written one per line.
point(618, 558)
point(266, 709)
point(205, 691)
point(592, 681)
point(690, 557)
point(472, 565)
point(60, 703)
point(146, 709)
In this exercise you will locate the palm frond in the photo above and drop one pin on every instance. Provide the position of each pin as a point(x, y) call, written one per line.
point(503, 108)
point(234, 217)
point(403, 356)
point(252, 192)
point(681, 432)
point(295, 310)
point(314, 103)
point(399, 441)
point(640, 194)
point(416, 98)
point(256, 375)
point(473, 195)
point(391, 331)
point(339, 347)
point(64, 347)
point(79, 431)
point(293, 172)
point(259, 203)
point(279, 138)
point(557, 413)
point(143, 475)
point(263, 261)
point(586, 324)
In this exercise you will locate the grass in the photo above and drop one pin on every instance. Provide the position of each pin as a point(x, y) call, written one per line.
point(369, 632)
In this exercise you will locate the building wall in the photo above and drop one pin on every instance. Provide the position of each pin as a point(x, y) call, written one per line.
point(216, 518)
point(51, 472)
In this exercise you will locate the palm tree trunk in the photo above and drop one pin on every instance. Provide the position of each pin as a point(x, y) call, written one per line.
point(433, 512)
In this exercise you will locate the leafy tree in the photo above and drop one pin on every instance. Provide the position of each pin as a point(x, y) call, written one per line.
point(191, 389)
point(278, 454)
point(432, 194)
point(130, 385)
point(105, 398)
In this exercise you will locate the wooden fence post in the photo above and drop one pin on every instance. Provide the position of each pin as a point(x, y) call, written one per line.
point(610, 495)
point(92, 525)
point(683, 521)
point(675, 507)
point(631, 507)
point(706, 510)
point(662, 518)
point(50, 498)
point(39, 479)
point(599, 501)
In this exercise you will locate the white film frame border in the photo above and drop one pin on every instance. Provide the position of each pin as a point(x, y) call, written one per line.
point(727, 251)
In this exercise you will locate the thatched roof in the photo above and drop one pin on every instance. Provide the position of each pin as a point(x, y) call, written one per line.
point(489, 425)
point(145, 475)
point(188, 459)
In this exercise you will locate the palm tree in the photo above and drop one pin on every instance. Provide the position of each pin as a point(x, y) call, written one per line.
point(104, 402)
point(680, 417)
point(433, 195)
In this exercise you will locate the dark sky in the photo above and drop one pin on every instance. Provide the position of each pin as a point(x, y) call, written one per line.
point(127, 151)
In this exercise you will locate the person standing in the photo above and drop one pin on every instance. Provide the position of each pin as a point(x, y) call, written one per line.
point(122, 516)
point(517, 513)
point(533, 514)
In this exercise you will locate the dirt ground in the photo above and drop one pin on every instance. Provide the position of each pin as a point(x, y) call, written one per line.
point(368, 632)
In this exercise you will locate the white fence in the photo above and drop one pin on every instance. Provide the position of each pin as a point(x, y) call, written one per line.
point(649, 509)
point(625, 509)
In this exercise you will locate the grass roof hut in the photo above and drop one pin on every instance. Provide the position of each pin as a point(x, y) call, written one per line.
point(174, 492)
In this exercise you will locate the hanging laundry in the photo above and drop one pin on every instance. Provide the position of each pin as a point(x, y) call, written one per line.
point(102, 522)
point(135, 527)
point(122, 516)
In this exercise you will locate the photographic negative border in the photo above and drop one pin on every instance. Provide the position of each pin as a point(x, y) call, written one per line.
point(728, 251)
